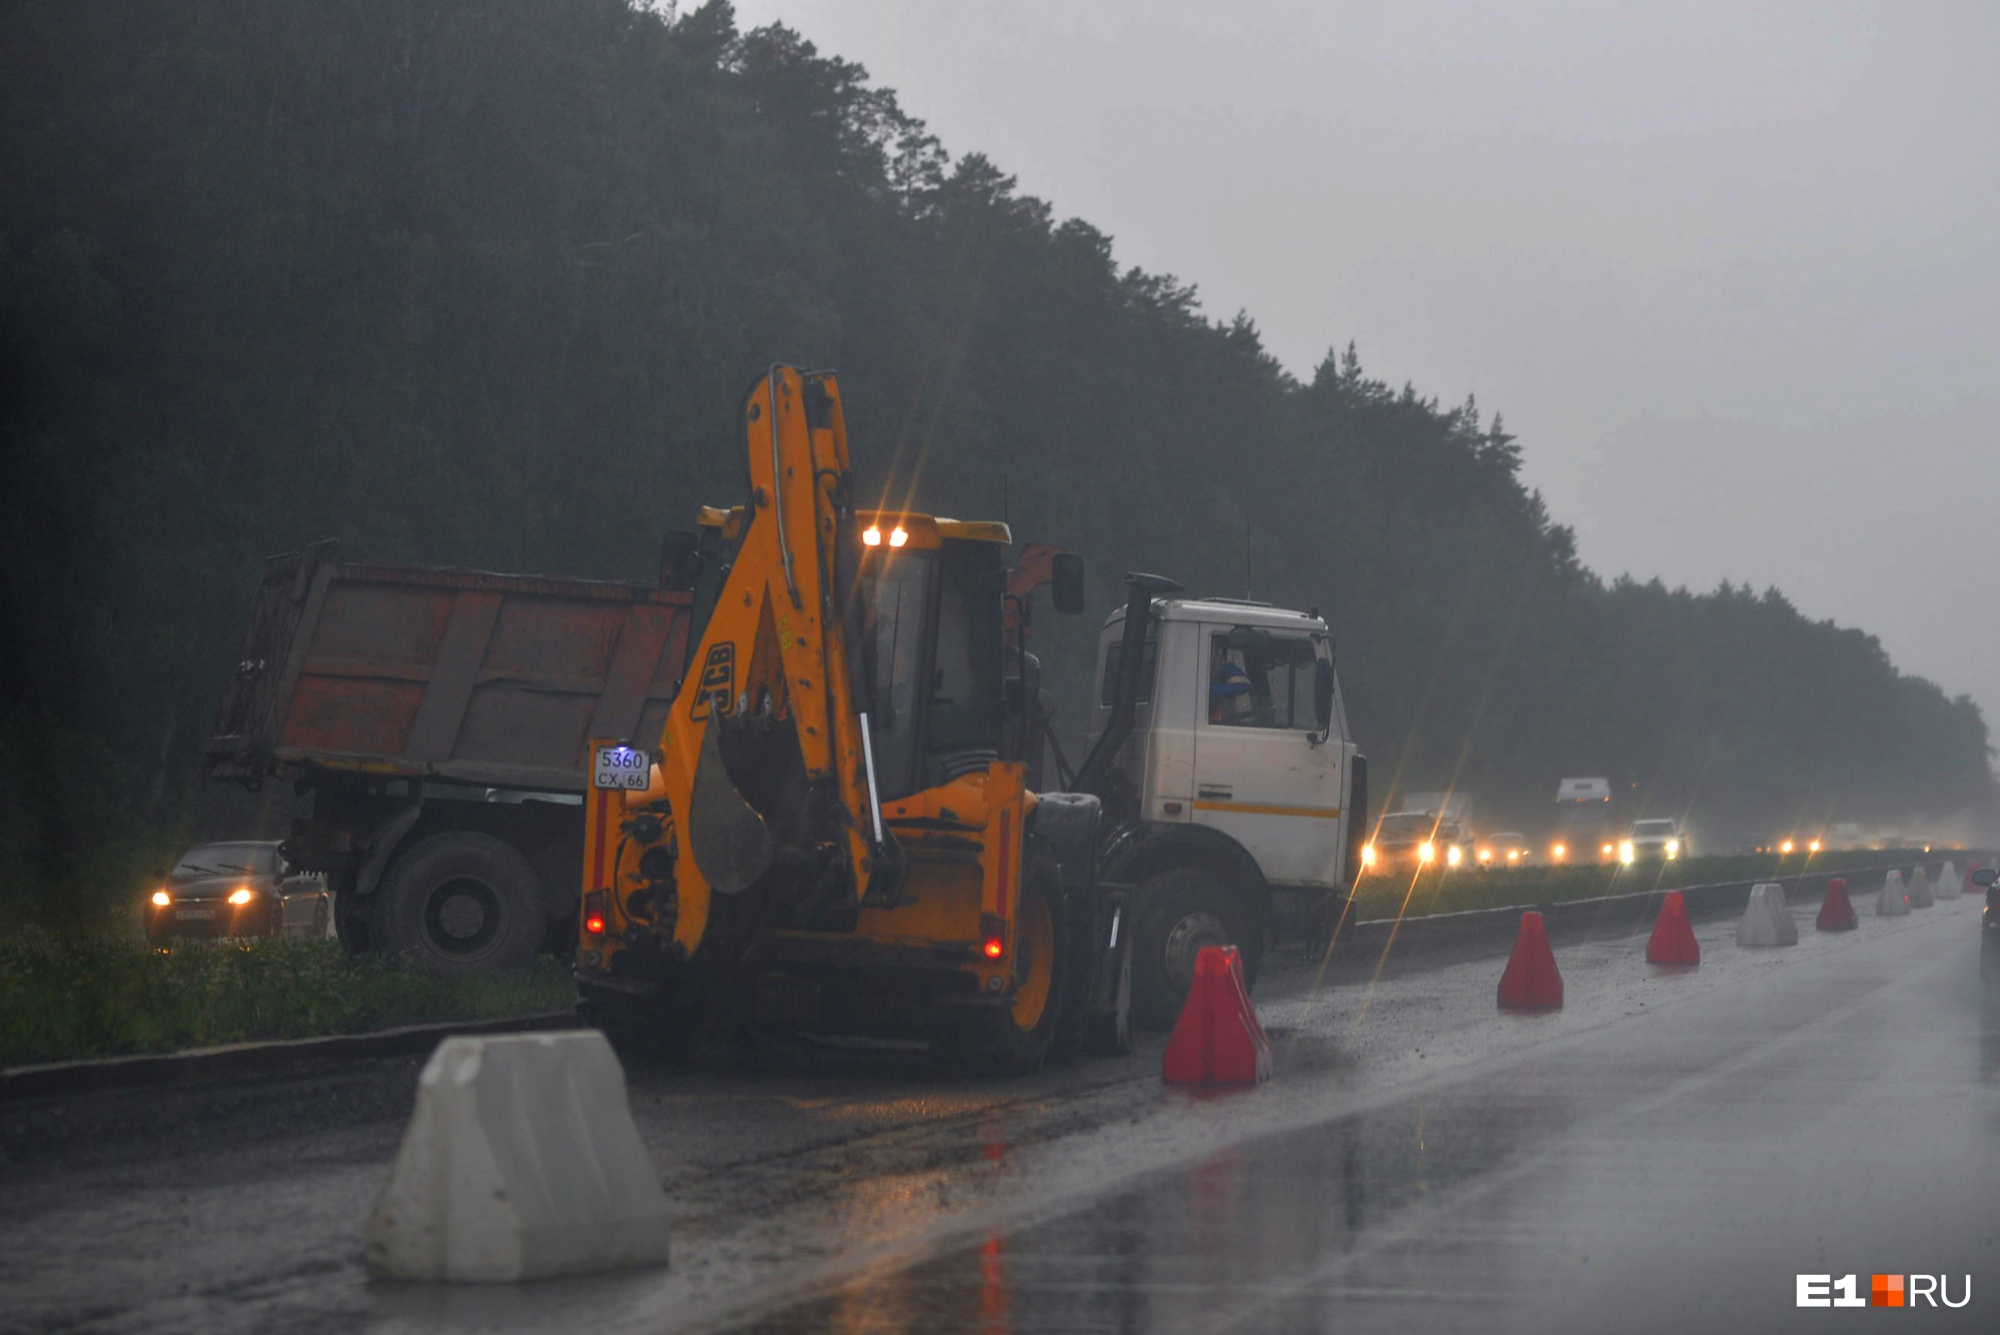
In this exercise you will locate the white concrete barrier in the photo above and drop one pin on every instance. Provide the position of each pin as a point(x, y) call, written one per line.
point(1920, 890)
point(1894, 902)
point(521, 1161)
point(1767, 921)
point(1950, 883)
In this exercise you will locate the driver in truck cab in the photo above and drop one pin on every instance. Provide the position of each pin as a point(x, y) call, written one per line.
point(1229, 695)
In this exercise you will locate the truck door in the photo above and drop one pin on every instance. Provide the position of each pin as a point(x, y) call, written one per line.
point(1259, 777)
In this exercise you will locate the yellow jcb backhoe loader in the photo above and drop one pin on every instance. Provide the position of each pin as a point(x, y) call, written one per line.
point(830, 832)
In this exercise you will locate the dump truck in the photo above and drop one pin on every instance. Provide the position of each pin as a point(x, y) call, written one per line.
point(439, 720)
point(834, 828)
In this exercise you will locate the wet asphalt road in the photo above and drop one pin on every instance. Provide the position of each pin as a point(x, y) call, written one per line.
point(1666, 1153)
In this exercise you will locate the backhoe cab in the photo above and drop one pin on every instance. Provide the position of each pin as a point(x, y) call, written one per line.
point(834, 828)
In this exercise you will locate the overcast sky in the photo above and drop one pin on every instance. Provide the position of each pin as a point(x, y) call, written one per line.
point(1731, 270)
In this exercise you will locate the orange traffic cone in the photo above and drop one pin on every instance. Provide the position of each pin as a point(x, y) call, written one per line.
point(1836, 914)
point(1673, 935)
point(1217, 1040)
point(1531, 982)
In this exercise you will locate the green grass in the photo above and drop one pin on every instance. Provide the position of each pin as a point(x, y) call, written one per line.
point(1381, 894)
point(64, 997)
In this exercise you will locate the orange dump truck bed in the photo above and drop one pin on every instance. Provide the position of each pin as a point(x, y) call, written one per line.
point(457, 675)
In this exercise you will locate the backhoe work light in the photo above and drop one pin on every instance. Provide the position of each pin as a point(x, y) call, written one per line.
point(871, 536)
point(897, 537)
point(992, 935)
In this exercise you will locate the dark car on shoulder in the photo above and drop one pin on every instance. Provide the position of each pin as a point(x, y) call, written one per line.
point(236, 889)
point(1987, 879)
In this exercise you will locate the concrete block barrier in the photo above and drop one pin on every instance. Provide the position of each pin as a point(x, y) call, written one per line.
point(1949, 884)
point(521, 1161)
point(1894, 900)
point(1766, 919)
point(1920, 893)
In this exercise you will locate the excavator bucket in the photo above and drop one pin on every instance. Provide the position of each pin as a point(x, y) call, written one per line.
point(729, 840)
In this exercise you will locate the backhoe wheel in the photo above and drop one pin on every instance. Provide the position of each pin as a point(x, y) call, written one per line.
point(1015, 1039)
point(460, 903)
point(1183, 911)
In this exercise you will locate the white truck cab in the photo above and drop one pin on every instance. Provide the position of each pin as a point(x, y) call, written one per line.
point(1237, 799)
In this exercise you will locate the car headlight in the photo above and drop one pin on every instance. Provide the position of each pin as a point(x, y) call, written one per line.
point(1513, 855)
point(1813, 847)
point(241, 895)
point(1486, 855)
point(1785, 847)
point(1368, 855)
point(1427, 852)
point(1559, 852)
point(1606, 850)
point(1673, 847)
point(1625, 851)
point(1454, 855)
point(162, 898)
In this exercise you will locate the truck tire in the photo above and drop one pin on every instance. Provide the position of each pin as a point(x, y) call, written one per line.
point(460, 903)
point(1015, 1039)
point(1184, 910)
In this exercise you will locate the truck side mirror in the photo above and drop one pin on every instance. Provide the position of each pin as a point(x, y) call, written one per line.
point(1985, 876)
point(1323, 693)
point(1066, 582)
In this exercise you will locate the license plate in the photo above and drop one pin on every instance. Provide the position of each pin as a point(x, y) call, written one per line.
point(185, 914)
point(621, 767)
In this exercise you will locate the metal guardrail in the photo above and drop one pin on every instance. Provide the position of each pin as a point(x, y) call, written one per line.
point(1607, 911)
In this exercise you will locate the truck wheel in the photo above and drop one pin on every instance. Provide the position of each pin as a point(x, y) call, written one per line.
point(461, 903)
point(1014, 1040)
point(1187, 910)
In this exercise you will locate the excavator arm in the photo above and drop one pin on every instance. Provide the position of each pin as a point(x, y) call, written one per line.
point(770, 686)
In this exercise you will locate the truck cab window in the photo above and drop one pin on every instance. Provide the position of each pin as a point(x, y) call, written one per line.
point(1265, 685)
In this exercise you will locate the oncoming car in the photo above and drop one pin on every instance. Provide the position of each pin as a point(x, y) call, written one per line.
point(1655, 841)
point(1416, 839)
point(233, 890)
point(1508, 848)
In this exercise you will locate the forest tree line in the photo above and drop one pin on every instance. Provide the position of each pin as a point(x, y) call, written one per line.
point(482, 284)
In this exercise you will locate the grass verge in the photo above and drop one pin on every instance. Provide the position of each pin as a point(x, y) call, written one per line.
point(65, 997)
point(1385, 894)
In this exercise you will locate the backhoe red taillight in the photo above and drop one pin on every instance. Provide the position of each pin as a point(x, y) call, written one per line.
point(594, 925)
point(992, 935)
point(594, 905)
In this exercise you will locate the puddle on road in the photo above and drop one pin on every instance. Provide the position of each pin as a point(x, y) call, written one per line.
point(1183, 1249)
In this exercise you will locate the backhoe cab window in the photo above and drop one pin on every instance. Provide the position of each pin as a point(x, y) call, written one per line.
point(931, 617)
point(1262, 685)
